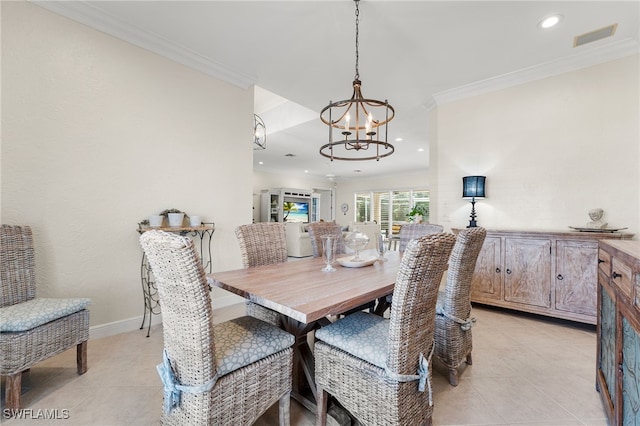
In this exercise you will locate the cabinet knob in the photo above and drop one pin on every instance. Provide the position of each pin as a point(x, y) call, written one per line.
point(560, 277)
point(600, 261)
point(615, 275)
point(498, 270)
point(508, 271)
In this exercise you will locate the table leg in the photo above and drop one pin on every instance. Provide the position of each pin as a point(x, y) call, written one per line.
point(304, 385)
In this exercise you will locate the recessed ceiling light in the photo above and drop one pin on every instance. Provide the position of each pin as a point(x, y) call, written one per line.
point(420, 149)
point(306, 171)
point(398, 139)
point(260, 162)
point(550, 21)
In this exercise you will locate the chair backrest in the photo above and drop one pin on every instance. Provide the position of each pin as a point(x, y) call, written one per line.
point(462, 263)
point(187, 317)
point(413, 312)
point(318, 229)
point(411, 231)
point(262, 243)
point(17, 265)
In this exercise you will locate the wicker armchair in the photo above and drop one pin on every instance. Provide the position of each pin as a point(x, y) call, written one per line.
point(380, 369)
point(411, 231)
point(263, 243)
point(318, 229)
point(223, 374)
point(33, 329)
point(453, 324)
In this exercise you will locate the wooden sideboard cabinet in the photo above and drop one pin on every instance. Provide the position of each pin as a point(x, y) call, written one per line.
point(546, 273)
point(618, 354)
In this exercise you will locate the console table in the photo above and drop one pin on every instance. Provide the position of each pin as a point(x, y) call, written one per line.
point(149, 290)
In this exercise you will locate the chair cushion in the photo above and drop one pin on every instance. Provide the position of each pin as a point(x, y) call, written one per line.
point(245, 340)
point(365, 336)
point(32, 313)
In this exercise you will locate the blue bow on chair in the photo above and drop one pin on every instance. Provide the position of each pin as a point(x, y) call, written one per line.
point(422, 377)
point(173, 389)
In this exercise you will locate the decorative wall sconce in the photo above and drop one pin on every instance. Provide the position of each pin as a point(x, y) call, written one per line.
point(259, 133)
point(473, 187)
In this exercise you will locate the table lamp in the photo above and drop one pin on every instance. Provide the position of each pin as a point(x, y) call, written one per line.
point(473, 187)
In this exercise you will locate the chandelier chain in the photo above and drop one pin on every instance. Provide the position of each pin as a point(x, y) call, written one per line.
point(357, 76)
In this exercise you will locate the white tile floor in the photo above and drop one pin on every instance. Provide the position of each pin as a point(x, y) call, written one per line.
point(526, 370)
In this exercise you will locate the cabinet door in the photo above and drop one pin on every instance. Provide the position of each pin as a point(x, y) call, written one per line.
point(315, 208)
point(630, 369)
point(487, 277)
point(606, 362)
point(576, 276)
point(527, 278)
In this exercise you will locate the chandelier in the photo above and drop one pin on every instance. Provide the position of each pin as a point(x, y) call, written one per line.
point(259, 133)
point(361, 122)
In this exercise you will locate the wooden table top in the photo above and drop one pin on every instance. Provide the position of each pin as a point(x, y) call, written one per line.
point(302, 291)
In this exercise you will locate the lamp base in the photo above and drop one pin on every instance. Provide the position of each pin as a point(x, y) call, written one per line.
point(472, 222)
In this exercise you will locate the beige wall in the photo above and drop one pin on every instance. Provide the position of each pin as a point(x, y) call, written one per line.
point(551, 150)
point(96, 135)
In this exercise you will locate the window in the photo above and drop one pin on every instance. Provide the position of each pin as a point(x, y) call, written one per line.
point(389, 208)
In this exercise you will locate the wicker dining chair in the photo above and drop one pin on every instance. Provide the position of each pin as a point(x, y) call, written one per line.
point(380, 369)
point(318, 229)
point(408, 232)
point(263, 243)
point(453, 310)
point(411, 231)
point(223, 374)
point(33, 329)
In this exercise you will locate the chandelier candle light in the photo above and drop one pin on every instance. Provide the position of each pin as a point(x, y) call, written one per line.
point(362, 122)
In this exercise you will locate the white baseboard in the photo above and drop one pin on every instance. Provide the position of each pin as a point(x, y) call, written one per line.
point(122, 326)
point(130, 324)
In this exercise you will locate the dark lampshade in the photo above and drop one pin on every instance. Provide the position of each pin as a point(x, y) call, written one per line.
point(473, 187)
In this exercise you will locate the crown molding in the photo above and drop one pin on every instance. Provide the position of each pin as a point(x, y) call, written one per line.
point(89, 14)
point(599, 55)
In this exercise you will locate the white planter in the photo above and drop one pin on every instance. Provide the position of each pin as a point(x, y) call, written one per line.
point(155, 220)
point(175, 219)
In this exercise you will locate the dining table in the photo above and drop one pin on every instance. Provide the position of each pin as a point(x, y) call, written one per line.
point(307, 297)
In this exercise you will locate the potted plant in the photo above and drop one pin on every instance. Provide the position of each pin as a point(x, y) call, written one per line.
point(417, 213)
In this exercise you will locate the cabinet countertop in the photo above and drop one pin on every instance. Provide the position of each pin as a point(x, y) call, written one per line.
point(564, 233)
point(632, 248)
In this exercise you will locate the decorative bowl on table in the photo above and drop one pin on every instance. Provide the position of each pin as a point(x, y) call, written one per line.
point(356, 241)
point(348, 262)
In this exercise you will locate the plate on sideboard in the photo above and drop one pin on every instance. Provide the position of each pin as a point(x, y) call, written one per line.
point(596, 229)
point(348, 263)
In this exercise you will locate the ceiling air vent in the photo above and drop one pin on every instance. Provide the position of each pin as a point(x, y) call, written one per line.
point(595, 35)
